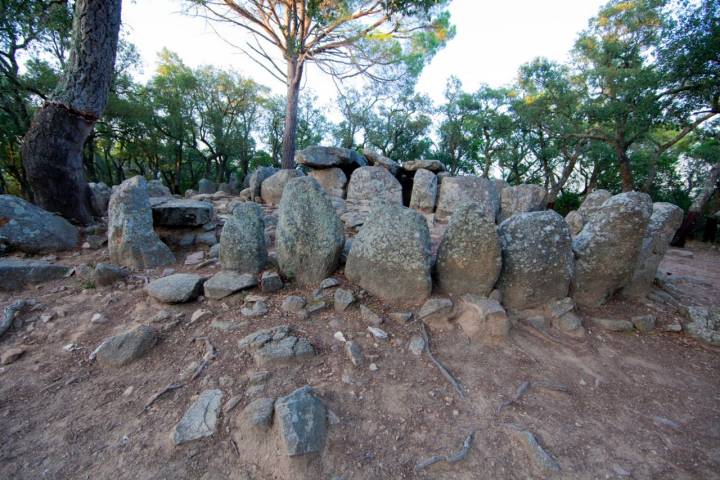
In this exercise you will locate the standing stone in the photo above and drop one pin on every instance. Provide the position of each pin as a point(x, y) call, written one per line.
point(368, 184)
point(256, 179)
point(377, 160)
point(206, 186)
point(390, 256)
point(607, 249)
point(132, 242)
point(271, 189)
point(325, 157)
point(455, 191)
point(469, 257)
point(332, 180)
point(537, 259)
point(575, 221)
point(309, 235)
point(302, 419)
point(424, 191)
point(200, 420)
point(242, 240)
point(664, 222)
point(592, 203)
point(100, 197)
point(521, 199)
point(30, 229)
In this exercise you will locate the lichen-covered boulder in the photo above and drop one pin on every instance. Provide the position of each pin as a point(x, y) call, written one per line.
point(332, 180)
point(309, 236)
point(242, 240)
point(390, 256)
point(607, 249)
point(100, 197)
point(537, 259)
point(377, 160)
point(257, 177)
point(520, 199)
point(272, 188)
point(29, 228)
point(592, 203)
point(456, 191)
point(575, 221)
point(432, 165)
point(325, 157)
point(469, 257)
point(368, 184)
point(424, 191)
point(664, 222)
point(132, 242)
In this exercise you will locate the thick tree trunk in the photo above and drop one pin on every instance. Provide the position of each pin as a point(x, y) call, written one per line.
point(53, 145)
point(625, 170)
point(294, 76)
point(695, 210)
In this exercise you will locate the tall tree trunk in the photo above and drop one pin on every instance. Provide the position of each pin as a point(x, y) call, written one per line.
point(625, 169)
point(294, 76)
point(52, 147)
point(695, 210)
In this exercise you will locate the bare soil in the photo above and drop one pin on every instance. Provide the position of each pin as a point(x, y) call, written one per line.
point(645, 405)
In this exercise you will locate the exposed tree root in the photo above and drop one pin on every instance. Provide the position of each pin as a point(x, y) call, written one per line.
point(525, 386)
point(446, 373)
point(448, 458)
point(541, 457)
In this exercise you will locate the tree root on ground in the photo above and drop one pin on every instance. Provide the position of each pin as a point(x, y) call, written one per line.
point(540, 455)
point(446, 373)
point(448, 458)
point(525, 386)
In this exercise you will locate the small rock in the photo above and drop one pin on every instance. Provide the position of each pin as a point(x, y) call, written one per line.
point(98, 318)
point(124, 348)
point(256, 378)
point(329, 283)
point(483, 318)
point(258, 309)
point(292, 303)
point(71, 347)
point(373, 367)
point(259, 413)
point(199, 314)
point(343, 299)
point(195, 258)
point(339, 337)
point(644, 323)
point(613, 325)
point(354, 352)
point(436, 311)
point(201, 418)
point(176, 288)
point(401, 317)
point(568, 322)
point(620, 471)
point(226, 282)
point(315, 307)
point(270, 282)
point(10, 355)
point(674, 328)
point(302, 419)
point(417, 345)
point(370, 317)
point(227, 326)
point(378, 333)
point(128, 391)
point(106, 274)
point(231, 404)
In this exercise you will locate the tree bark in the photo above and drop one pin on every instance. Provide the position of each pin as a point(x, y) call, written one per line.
point(625, 169)
point(52, 149)
point(294, 76)
point(695, 210)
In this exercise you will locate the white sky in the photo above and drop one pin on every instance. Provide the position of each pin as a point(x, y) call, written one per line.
point(493, 39)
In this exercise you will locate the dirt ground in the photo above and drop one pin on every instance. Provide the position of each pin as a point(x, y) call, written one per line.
point(643, 406)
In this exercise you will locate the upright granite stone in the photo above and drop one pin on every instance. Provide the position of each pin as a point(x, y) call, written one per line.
point(377, 160)
point(469, 257)
point(326, 157)
point(309, 236)
point(100, 197)
point(521, 199)
point(575, 221)
point(157, 189)
point(242, 240)
point(302, 421)
point(455, 191)
point(432, 165)
point(390, 256)
point(592, 203)
point(368, 184)
point(664, 222)
point(180, 212)
point(537, 259)
point(206, 186)
point(607, 249)
point(132, 242)
point(257, 177)
point(30, 229)
point(424, 191)
point(332, 180)
point(272, 188)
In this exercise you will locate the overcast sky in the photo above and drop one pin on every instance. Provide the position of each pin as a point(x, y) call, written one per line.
point(493, 38)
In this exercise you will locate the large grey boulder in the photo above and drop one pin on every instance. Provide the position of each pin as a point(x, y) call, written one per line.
point(302, 421)
point(180, 212)
point(432, 165)
point(206, 186)
point(28, 228)
point(157, 189)
point(607, 249)
point(424, 191)
point(132, 242)
point(537, 259)
point(175, 288)
point(272, 188)
point(368, 184)
point(127, 347)
point(16, 273)
point(390, 256)
point(256, 178)
point(377, 160)
point(326, 157)
point(242, 240)
point(332, 180)
point(521, 199)
point(469, 257)
point(455, 191)
point(309, 235)
point(200, 420)
point(100, 197)
point(664, 222)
